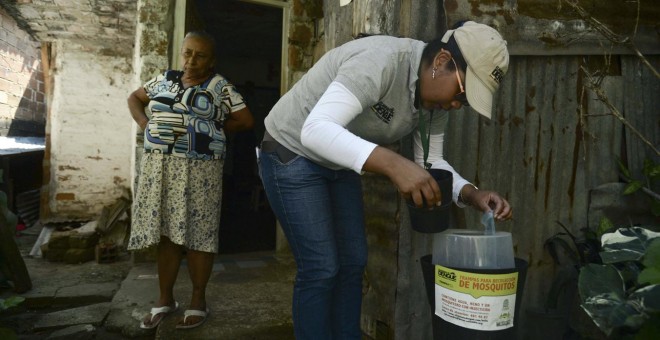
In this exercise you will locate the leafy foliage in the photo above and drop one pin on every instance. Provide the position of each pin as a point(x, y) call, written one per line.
point(571, 253)
point(6, 333)
point(651, 172)
point(622, 295)
point(10, 302)
point(580, 250)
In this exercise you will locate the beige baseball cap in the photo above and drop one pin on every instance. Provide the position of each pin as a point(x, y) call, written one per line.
point(487, 60)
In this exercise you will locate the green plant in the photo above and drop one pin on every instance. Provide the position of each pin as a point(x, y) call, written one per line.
point(10, 302)
point(622, 295)
point(570, 252)
point(6, 333)
point(651, 171)
point(580, 250)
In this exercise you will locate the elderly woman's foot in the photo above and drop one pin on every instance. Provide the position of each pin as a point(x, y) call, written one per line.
point(157, 314)
point(193, 317)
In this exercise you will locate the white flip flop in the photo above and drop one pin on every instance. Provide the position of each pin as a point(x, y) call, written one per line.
point(159, 310)
point(194, 312)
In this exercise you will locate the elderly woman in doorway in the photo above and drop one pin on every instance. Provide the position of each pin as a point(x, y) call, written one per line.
point(177, 204)
point(327, 129)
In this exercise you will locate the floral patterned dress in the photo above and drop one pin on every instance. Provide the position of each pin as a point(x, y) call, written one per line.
point(179, 189)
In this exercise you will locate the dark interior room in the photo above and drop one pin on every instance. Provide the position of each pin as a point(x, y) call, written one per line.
point(248, 53)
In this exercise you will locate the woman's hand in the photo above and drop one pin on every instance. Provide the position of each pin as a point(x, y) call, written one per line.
point(486, 200)
point(414, 182)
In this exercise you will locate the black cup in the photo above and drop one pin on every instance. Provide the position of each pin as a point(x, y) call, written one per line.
point(433, 219)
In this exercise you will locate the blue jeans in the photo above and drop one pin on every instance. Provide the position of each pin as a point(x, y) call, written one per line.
point(322, 215)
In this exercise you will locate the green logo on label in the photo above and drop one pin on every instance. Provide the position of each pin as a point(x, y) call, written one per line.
point(447, 275)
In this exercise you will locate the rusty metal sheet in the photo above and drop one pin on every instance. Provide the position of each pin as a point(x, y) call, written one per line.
point(537, 153)
point(543, 157)
point(551, 27)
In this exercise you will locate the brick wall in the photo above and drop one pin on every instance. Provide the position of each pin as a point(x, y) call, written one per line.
point(22, 99)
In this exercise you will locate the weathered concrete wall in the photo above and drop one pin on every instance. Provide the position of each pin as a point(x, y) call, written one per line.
point(22, 101)
point(90, 133)
point(89, 47)
point(151, 56)
point(152, 39)
point(104, 25)
point(305, 29)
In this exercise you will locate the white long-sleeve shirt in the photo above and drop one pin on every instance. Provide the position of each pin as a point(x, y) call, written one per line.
point(357, 96)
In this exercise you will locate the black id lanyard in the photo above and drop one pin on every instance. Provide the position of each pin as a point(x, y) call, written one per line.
point(426, 137)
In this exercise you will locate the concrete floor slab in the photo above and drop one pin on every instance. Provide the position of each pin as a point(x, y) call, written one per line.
point(245, 302)
point(91, 314)
point(249, 296)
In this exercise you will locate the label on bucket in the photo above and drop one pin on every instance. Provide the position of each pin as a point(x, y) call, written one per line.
point(476, 301)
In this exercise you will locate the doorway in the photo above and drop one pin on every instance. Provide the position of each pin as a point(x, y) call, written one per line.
point(249, 54)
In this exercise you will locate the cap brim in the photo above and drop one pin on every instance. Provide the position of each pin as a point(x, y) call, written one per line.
point(478, 95)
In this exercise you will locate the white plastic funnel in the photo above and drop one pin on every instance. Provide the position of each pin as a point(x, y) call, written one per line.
point(471, 249)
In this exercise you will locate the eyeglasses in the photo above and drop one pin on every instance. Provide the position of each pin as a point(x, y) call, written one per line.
point(461, 96)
